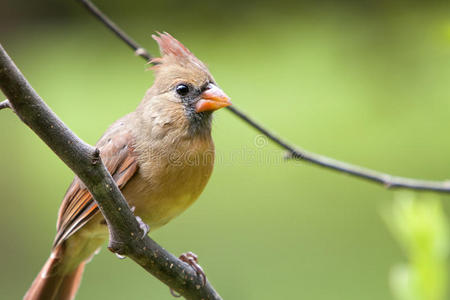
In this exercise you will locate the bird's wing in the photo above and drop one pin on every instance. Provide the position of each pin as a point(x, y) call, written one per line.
point(78, 206)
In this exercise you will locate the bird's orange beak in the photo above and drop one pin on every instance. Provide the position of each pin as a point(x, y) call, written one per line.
point(212, 99)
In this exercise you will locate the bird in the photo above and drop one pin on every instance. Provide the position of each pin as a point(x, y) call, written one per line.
point(161, 156)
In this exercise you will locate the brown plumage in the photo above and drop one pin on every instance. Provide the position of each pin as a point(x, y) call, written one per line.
point(161, 156)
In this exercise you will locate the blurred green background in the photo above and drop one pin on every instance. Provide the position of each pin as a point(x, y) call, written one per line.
point(361, 81)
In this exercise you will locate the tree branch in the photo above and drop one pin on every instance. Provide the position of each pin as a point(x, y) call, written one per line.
point(138, 50)
point(126, 236)
point(387, 180)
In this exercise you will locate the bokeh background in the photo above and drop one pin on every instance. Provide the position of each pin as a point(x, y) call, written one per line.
point(361, 81)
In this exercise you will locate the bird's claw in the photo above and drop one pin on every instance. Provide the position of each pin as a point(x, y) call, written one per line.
point(192, 260)
point(145, 228)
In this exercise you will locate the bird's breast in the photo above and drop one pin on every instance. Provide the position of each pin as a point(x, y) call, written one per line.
point(170, 178)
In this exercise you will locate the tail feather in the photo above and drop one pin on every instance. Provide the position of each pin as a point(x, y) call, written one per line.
point(54, 284)
point(70, 283)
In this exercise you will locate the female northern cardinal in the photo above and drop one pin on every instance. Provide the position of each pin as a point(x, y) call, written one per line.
point(160, 155)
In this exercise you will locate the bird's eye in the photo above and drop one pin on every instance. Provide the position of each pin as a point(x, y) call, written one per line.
point(182, 89)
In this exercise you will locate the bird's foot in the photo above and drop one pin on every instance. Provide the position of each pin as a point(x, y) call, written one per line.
point(145, 228)
point(192, 260)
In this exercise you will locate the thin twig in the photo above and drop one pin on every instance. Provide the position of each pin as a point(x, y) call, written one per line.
point(387, 180)
point(126, 236)
point(138, 50)
point(5, 104)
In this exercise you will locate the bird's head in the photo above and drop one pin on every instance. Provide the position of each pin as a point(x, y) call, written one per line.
point(183, 81)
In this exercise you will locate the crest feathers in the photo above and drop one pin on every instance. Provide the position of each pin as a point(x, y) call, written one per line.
point(174, 53)
point(168, 45)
